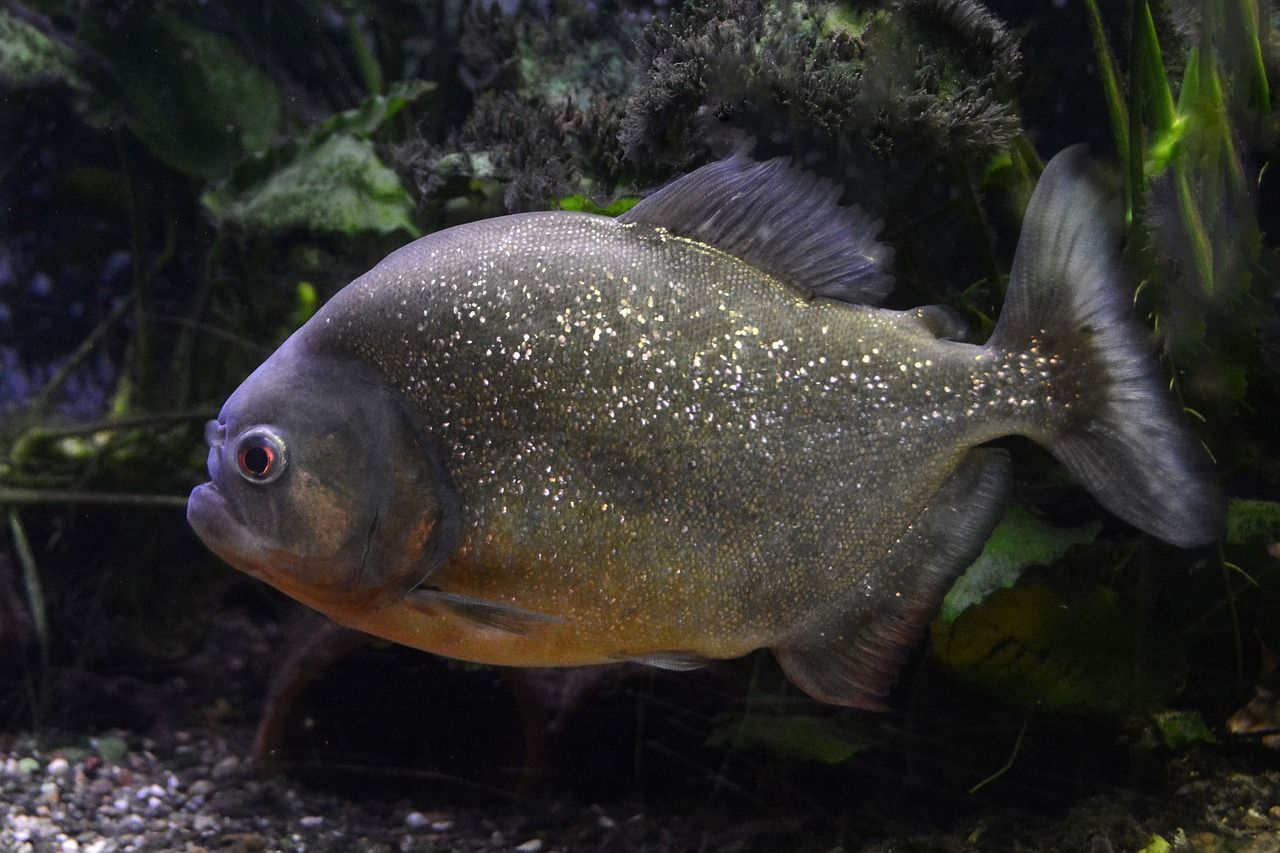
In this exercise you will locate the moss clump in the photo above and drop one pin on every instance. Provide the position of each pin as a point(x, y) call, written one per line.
point(546, 115)
point(928, 76)
point(578, 103)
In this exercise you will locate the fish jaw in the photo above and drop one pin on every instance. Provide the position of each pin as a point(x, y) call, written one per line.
point(216, 522)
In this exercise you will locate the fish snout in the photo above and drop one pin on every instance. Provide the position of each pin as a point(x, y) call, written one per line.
point(215, 433)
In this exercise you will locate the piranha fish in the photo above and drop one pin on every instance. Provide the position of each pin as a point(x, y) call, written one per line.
point(553, 439)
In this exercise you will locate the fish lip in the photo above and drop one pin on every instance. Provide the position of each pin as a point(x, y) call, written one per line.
point(209, 513)
point(199, 498)
point(217, 523)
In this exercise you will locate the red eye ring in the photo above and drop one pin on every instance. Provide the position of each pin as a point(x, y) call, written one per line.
point(260, 455)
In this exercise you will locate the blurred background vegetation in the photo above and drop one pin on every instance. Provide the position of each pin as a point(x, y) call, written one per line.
point(183, 183)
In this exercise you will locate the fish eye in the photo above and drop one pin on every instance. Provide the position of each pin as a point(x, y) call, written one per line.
point(260, 455)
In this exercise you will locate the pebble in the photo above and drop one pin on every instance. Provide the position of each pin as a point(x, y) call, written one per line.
point(58, 767)
point(226, 767)
point(533, 845)
point(200, 788)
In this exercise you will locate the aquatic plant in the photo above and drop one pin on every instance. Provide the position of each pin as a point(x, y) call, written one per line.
point(196, 224)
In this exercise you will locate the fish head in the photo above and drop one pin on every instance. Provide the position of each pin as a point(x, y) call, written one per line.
point(322, 486)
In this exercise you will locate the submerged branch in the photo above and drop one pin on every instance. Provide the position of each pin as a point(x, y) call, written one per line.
point(16, 496)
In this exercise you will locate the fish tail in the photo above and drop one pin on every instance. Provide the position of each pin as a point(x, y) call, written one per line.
point(1068, 316)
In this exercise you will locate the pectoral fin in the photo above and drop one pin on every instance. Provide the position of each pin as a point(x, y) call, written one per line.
point(850, 654)
point(486, 614)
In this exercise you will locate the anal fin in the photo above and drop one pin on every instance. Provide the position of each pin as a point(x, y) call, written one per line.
point(850, 655)
point(486, 614)
point(678, 661)
point(944, 322)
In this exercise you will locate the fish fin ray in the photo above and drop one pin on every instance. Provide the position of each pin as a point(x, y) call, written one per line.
point(487, 614)
point(1127, 441)
point(780, 219)
point(677, 661)
point(851, 657)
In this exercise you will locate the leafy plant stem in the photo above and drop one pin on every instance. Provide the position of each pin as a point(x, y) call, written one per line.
point(1260, 88)
point(1026, 151)
point(1110, 81)
point(1194, 223)
point(1150, 64)
point(1135, 144)
point(370, 70)
point(113, 425)
point(978, 223)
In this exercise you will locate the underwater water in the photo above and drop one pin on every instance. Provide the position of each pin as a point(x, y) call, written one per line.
point(184, 185)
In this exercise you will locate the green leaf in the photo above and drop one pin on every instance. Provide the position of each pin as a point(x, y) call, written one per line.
point(1156, 844)
point(581, 203)
point(338, 185)
point(112, 749)
point(1020, 540)
point(1110, 80)
point(189, 95)
point(791, 736)
point(1252, 521)
point(30, 58)
point(330, 181)
point(1180, 730)
point(1052, 646)
point(366, 119)
point(307, 303)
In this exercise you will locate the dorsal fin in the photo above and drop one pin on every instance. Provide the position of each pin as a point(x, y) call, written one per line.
point(780, 219)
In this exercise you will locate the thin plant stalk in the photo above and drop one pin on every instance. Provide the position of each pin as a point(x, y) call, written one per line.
point(42, 403)
point(31, 581)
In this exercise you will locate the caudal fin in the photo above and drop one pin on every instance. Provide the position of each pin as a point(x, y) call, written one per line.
point(1068, 295)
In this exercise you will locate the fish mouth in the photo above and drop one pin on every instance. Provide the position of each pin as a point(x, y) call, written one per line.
point(205, 505)
point(215, 520)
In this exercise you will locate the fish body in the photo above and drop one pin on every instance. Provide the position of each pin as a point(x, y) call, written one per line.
point(556, 438)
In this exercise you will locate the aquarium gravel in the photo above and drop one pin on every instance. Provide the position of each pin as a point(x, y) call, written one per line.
point(193, 793)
